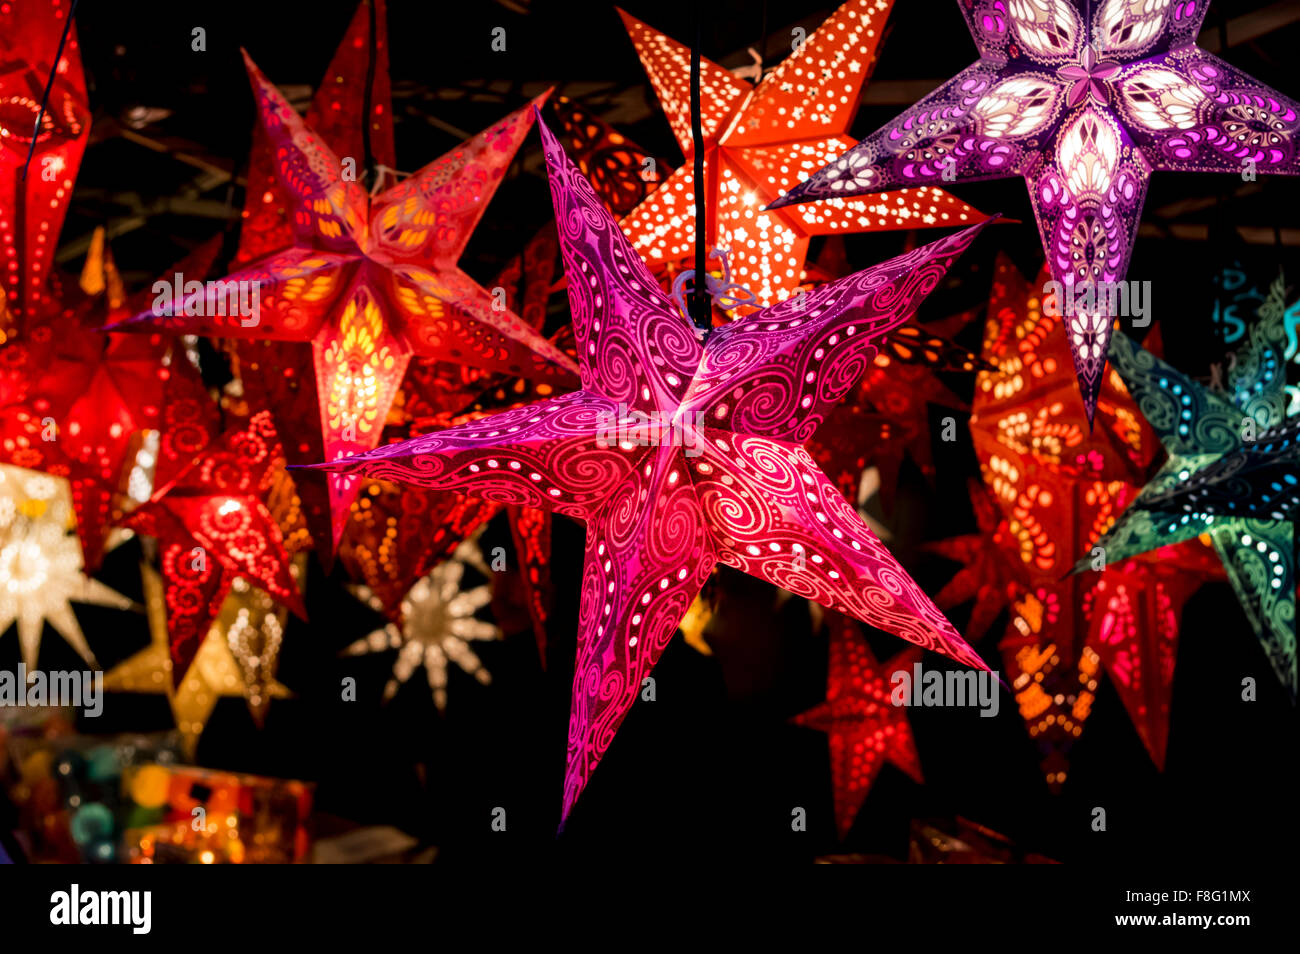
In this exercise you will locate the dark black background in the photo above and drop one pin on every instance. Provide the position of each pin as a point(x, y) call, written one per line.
point(711, 769)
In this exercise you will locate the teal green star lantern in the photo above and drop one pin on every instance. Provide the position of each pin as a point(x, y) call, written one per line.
point(1231, 475)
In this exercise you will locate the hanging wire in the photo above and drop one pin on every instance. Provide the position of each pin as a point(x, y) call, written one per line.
point(49, 85)
point(701, 306)
point(371, 170)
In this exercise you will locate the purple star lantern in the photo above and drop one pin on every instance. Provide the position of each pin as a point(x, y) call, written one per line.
point(1084, 98)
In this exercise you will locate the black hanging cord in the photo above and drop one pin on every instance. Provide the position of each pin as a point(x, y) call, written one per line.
point(368, 124)
point(699, 304)
point(762, 46)
point(49, 85)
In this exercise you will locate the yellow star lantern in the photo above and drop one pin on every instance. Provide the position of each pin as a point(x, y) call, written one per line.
point(236, 658)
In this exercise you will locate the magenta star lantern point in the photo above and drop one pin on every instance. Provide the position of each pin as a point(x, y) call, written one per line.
point(1084, 99)
point(680, 455)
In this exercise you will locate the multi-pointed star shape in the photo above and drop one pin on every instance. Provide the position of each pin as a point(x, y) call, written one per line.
point(681, 455)
point(758, 142)
point(35, 206)
point(209, 514)
point(863, 727)
point(372, 281)
point(1084, 99)
point(1233, 473)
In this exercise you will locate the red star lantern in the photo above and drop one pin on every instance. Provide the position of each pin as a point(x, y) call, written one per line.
point(759, 141)
point(615, 454)
point(372, 282)
point(32, 209)
point(863, 727)
point(1060, 486)
point(337, 116)
point(209, 514)
point(79, 400)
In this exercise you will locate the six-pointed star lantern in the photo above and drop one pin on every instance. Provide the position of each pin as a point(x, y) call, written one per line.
point(370, 282)
point(681, 455)
point(1084, 99)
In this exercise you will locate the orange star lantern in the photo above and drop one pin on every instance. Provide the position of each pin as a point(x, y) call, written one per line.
point(1060, 486)
point(757, 142)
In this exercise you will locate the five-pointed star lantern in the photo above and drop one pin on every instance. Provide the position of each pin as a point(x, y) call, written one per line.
point(1233, 473)
point(32, 209)
point(680, 456)
point(371, 282)
point(439, 621)
point(863, 726)
point(40, 563)
point(759, 141)
point(1084, 99)
point(209, 514)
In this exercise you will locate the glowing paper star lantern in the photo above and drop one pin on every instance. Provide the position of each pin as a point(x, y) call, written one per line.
point(76, 402)
point(209, 515)
point(1060, 484)
point(1231, 474)
point(337, 116)
point(863, 726)
point(40, 563)
point(438, 623)
point(760, 141)
point(1084, 99)
point(371, 282)
point(659, 518)
point(991, 574)
point(281, 375)
point(32, 209)
point(237, 657)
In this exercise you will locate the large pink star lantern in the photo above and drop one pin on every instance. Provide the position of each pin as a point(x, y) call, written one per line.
point(372, 281)
point(1084, 99)
point(681, 455)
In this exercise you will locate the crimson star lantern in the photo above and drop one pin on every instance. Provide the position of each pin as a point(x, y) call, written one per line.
point(863, 727)
point(32, 209)
point(1084, 99)
point(372, 282)
point(681, 455)
point(209, 514)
